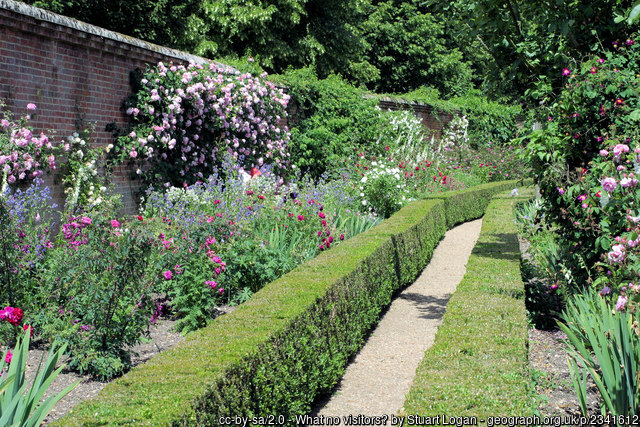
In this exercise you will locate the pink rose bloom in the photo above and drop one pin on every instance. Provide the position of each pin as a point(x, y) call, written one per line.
point(133, 154)
point(114, 223)
point(31, 106)
point(167, 275)
point(5, 123)
point(211, 283)
point(618, 149)
point(609, 184)
point(621, 303)
point(616, 255)
point(604, 153)
point(300, 218)
point(85, 220)
point(626, 182)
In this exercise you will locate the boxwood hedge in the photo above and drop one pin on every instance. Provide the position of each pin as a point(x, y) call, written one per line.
point(291, 342)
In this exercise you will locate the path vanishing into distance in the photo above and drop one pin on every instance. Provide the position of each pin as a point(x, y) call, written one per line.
point(379, 377)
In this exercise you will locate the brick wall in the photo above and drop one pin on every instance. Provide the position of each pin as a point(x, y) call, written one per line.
point(76, 73)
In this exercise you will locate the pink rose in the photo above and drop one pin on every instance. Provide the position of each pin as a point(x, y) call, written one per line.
point(167, 275)
point(114, 223)
point(609, 184)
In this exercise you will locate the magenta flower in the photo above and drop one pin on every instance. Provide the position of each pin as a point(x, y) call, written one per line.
point(12, 315)
point(321, 215)
point(114, 223)
point(566, 71)
point(582, 197)
point(560, 190)
point(211, 283)
point(167, 275)
point(8, 357)
point(300, 218)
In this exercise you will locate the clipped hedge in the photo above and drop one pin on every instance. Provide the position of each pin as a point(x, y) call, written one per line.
point(289, 343)
point(470, 203)
point(478, 365)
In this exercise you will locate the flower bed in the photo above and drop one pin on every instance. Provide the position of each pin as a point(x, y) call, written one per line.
point(290, 342)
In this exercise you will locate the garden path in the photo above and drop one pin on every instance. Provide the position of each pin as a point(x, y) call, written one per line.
point(378, 378)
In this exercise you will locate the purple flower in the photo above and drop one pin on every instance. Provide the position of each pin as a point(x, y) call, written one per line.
point(167, 275)
point(605, 291)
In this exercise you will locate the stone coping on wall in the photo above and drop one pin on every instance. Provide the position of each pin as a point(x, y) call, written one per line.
point(54, 18)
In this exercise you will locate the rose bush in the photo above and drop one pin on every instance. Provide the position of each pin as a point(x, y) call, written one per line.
point(185, 119)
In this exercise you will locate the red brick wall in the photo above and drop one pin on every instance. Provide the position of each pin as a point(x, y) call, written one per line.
point(76, 74)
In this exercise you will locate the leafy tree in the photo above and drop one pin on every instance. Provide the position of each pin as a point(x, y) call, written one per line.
point(164, 22)
point(410, 49)
point(528, 42)
point(283, 33)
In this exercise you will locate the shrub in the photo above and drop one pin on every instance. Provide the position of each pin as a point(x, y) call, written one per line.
point(186, 119)
point(97, 291)
point(24, 156)
point(333, 121)
point(583, 159)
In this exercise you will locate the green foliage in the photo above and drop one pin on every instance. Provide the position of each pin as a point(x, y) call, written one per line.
point(21, 405)
point(101, 289)
point(164, 22)
point(604, 345)
point(489, 121)
point(478, 365)
point(291, 341)
point(410, 49)
point(590, 128)
point(283, 33)
point(526, 43)
point(332, 120)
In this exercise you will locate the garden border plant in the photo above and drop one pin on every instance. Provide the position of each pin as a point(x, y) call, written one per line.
point(478, 365)
point(291, 341)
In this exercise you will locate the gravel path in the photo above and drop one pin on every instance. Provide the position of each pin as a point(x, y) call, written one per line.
point(379, 377)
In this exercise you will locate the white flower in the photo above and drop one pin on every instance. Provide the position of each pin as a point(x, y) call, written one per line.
point(364, 203)
point(364, 179)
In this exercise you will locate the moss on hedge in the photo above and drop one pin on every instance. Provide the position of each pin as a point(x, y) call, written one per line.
point(290, 342)
point(478, 365)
